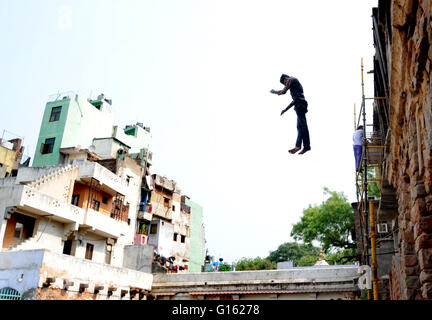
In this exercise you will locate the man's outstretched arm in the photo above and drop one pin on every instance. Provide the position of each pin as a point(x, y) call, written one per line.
point(279, 92)
point(284, 90)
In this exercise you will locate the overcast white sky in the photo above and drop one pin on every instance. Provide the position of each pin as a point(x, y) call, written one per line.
point(198, 73)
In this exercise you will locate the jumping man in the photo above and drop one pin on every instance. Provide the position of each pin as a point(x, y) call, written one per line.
point(300, 106)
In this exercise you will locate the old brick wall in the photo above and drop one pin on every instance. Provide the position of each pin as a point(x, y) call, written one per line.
point(394, 284)
point(409, 164)
point(48, 293)
point(59, 294)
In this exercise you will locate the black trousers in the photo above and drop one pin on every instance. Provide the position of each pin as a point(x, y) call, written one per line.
point(302, 130)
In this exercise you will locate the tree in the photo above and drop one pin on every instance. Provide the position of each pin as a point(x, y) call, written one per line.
point(346, 256)
point(329, 223)
point(255, 264)
point(307, 260)
point(289, 251)
point(224, 267)
point(292, 251)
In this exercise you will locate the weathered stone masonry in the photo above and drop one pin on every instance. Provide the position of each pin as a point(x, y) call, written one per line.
point(409, 158)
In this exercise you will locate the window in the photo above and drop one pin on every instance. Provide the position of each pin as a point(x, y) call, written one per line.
point(166, 202)
point(95, 205)
point(104, 200)
point(175, 236)
point(75, 199)
point(55, 114)
point(18, 230)
point(173, 208)
point(67, 247)
point(48, 146)
point(89, 251)
point(183, 238)
point(108, 254)
point(153, 229)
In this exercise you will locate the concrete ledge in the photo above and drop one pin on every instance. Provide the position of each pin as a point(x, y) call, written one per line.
point(295, 280)
point(28, 270)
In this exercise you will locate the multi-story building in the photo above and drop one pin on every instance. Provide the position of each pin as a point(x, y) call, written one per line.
point(70, 121)
point(11, 153)
point(75, 130)
point(86, 211)
point(176, 228)
point(197, 236)
point(80, 216)
point(89, 197)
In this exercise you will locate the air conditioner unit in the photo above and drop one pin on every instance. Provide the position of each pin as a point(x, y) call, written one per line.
point(382, 228)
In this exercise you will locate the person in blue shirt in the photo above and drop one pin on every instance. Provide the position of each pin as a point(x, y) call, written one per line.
point(300, 107)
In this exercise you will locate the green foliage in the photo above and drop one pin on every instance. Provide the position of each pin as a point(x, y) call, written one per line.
point(373, 189)
point(307, 260)
point(143, 229)
point(285, 252)
point(224, 267)
point(255, 264)
point(292, 251)
point(346, 256)
point(329, 223)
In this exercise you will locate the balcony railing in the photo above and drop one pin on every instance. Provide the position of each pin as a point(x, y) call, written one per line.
point(105, 225)
point(61, 96)
point(38, 203)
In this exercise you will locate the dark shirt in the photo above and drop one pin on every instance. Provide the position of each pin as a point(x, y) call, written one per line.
point(296, 90)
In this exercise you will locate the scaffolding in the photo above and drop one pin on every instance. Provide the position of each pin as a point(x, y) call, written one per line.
point(371, 159)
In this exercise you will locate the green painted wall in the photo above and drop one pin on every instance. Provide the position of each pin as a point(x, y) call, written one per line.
point(54, 129)
point(85, 122)
point(80, 122)
point(197, 237)
point(135, 137)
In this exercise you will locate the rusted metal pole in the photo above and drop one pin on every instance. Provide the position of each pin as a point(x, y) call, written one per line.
point(355, 118)
point(373, 247)
point(364, 164)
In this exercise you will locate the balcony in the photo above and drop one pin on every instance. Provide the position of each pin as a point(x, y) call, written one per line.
point(109, 182)
point(32, 201)
point(185, 208)
point(165, 184)
point(162, 211)
point(104, 225)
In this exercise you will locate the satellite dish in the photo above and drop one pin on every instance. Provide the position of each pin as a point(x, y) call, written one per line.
point(92, 148)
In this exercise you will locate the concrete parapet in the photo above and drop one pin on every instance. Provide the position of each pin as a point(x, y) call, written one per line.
point(35, 271)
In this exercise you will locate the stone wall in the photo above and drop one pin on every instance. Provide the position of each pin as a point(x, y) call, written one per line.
point(299, 283)
point(409, 162)
point(394, 283)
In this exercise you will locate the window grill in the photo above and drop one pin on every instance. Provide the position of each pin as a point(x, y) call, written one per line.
point(10, 294)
